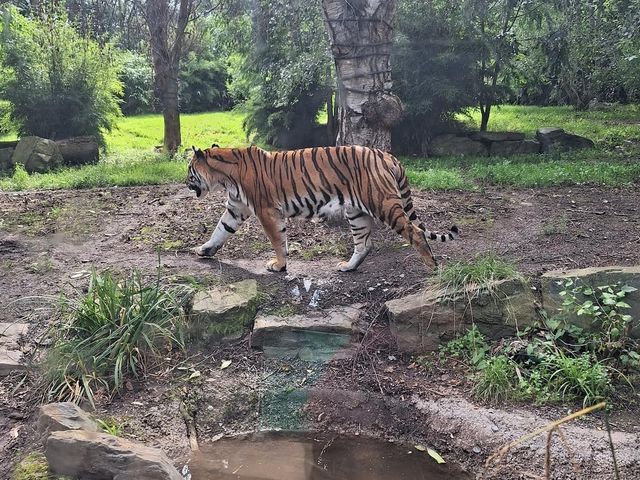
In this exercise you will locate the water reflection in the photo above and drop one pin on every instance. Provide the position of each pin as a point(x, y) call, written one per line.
point(315, 457)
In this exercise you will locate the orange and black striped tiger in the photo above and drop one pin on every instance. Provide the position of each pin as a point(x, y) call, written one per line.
point(364, 183)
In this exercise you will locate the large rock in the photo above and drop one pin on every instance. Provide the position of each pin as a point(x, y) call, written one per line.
point(79, 150)
point(552, 285)
point(456, 145)
point(498, 136)
point(37, 154)
point(554, 139)
point(6, 164)
point(318, 335)
point(420, 322)
point(56, 417)
point(223, 311)
point(508, 148)
point(10, 353)
point(99, 456)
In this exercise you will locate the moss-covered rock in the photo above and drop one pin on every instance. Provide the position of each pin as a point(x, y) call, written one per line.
point(223, 311)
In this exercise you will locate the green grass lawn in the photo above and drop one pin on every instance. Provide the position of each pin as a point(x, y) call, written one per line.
point(131, 160)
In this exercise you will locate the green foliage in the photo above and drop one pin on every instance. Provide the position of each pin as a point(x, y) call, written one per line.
point(118, 329)
point(289, 72)
point(111, 426)
point(605, 307)
point(203, 84)
point(137, 81)
point(433, 70)
point(59, 83)
point(479, 272)
point(470, 347)
point(33, 467)
point(496, 379)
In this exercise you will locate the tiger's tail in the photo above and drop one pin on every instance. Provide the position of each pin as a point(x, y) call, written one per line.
point(407, 203)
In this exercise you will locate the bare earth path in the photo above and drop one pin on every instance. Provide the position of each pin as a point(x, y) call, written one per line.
point(50, 240)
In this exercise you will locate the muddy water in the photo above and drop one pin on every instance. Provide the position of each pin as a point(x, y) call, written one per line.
point(315, 457)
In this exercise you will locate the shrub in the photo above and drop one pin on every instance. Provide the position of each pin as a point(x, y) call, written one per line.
point(496, 379)
point(137, 82)
point(433, 71)
point(117, 330)
point(59, 83)
point(203, 84)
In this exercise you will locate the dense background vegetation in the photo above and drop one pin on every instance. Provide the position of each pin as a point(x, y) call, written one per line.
point(65, 69)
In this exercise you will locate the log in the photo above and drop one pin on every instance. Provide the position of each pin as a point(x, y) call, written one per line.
point(79, 150)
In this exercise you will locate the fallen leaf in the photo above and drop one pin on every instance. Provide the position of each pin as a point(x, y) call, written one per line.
point(225, 364)
point(14, 431)
point(420, 448)
point(195, 374)
point(435, 455)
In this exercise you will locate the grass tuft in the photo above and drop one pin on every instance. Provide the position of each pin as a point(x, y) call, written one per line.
point(480, 272)
point(117, 330)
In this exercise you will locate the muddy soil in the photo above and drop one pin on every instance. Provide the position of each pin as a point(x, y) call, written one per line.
point(49, 241)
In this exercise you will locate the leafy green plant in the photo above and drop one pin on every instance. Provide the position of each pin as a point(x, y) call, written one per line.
point(605, 308)
point(118, 329)
point(471, 347)
point(571, 378)
point(496, 379)
point(111, 426)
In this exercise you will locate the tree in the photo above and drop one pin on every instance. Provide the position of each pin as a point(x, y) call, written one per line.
point(360, 32)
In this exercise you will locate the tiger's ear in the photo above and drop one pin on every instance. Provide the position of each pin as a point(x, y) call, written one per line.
point(199, 153)
point(215, 145)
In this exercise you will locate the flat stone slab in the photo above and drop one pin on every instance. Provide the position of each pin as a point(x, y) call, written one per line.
point(223, 311)
point(92, 455)
point(314, 336)
point(498, 136)
point(10, 353)
point(594, 277)
point(420, 322)
point(56, 417)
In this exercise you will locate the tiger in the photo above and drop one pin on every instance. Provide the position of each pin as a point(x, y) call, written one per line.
point(358, 182)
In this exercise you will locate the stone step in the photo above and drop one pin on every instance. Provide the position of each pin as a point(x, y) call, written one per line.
point(11, 357)
point(315, 336)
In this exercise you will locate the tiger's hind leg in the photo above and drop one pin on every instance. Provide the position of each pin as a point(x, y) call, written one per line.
point(361, 225)
point(275, 227)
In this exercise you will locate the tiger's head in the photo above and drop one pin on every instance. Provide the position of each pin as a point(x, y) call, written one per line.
point(202, 176)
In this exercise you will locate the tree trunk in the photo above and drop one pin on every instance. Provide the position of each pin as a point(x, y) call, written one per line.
point(166, 64)
point(360, 32)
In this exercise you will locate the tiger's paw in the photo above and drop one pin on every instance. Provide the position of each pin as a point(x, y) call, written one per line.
point(274, 266)
point(344, 267)
point(203, 251)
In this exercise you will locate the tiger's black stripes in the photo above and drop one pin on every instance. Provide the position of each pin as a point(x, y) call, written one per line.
point(365, 183)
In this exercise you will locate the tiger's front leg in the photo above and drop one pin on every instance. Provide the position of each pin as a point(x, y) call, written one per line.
point(275, 227)
point(231, 220)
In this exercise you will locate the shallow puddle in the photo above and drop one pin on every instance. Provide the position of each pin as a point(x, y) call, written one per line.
point(279, 456)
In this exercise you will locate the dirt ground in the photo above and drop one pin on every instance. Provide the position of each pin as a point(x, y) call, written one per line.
point(49, 241)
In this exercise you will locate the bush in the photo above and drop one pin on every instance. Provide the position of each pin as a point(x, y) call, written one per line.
point(433, 72)
point(115, 331)
point(59, 83)
point(137, 82)
point(203, 85)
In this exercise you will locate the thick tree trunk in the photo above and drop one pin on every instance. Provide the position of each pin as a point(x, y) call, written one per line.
point(360, 32)
point(171, 114)
point(166, 64)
